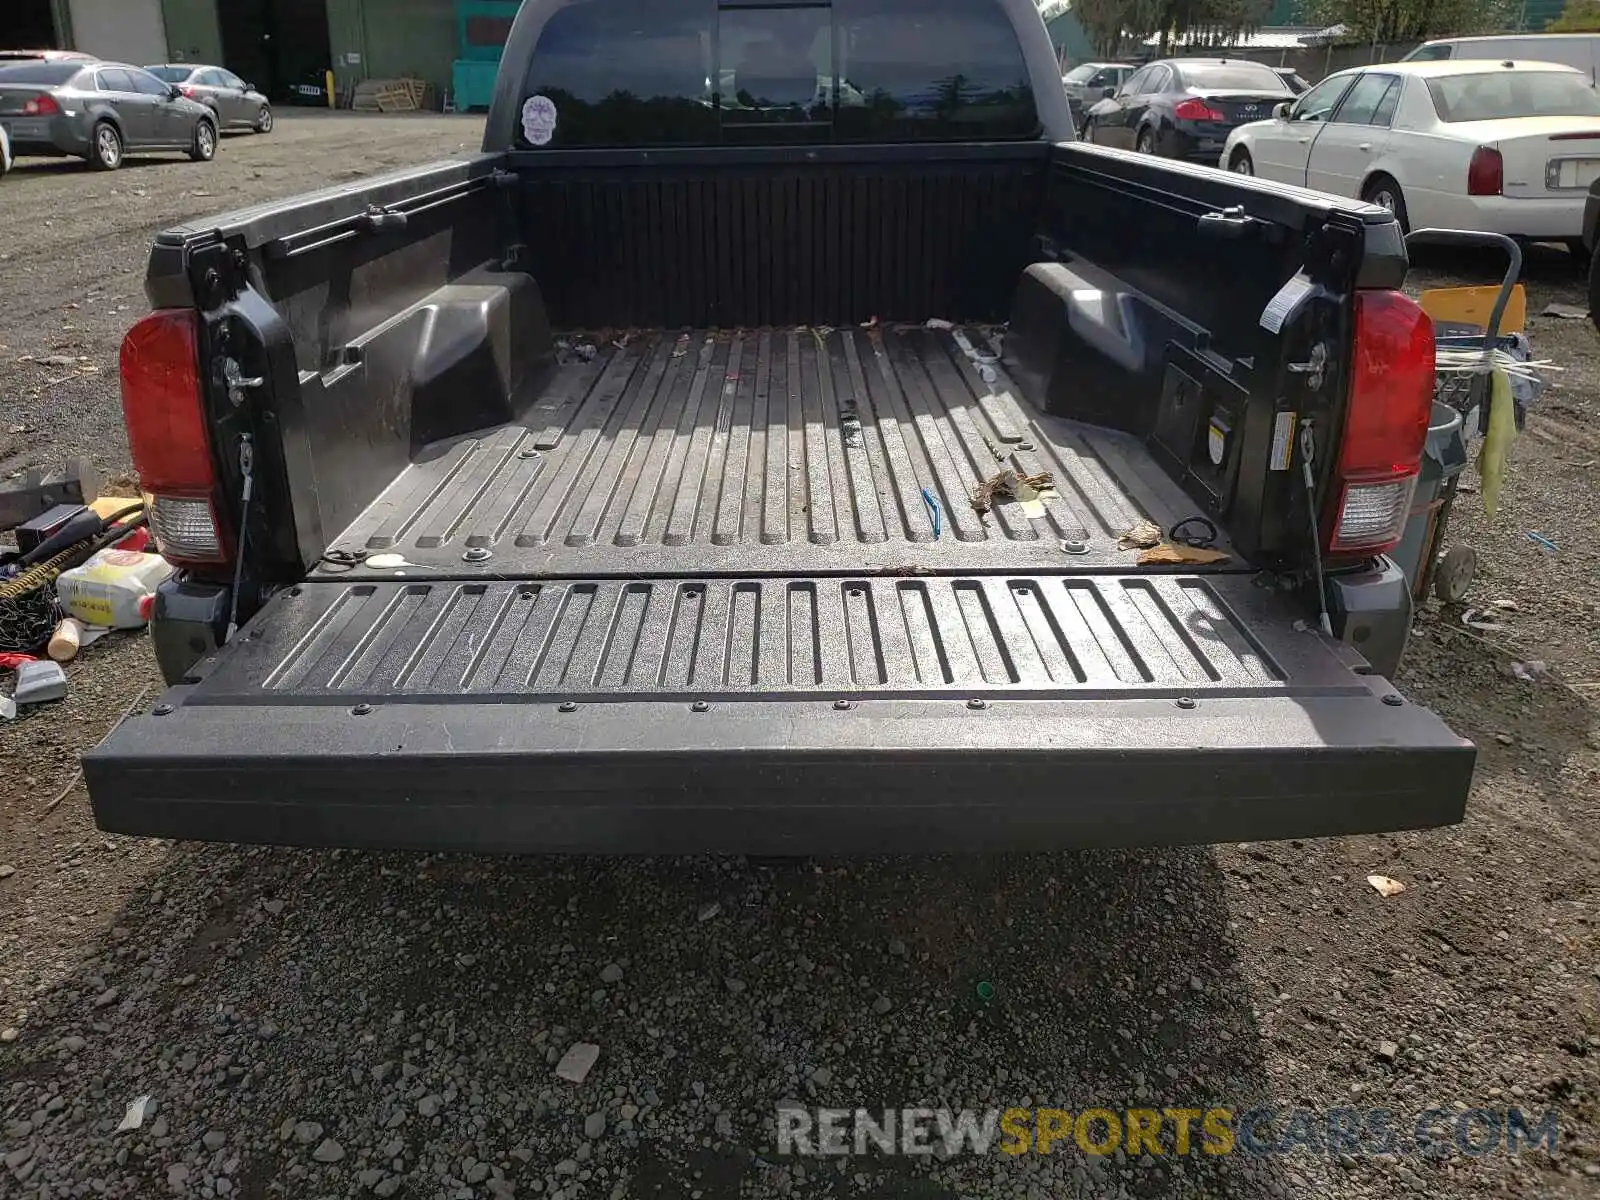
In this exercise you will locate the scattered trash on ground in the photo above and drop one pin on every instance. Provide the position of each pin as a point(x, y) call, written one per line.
point(1531, 671)
point(1385, 886)
point(114, 587)
point(1540, 540)
point(133, 1118)
point(1481, 620)
point(985, 990)
point(39, 682)
point(1143, 536)
point(1564, 312)
point(577, 1062)
point(80, 567)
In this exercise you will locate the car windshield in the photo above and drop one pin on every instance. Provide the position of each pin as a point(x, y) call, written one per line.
point(1494, 96)
point(1079, 74)
point(46, 74)
point(1234, 76)
point(171, 74)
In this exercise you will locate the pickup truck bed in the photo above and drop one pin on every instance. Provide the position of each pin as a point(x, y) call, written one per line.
point(791, 450)
point(715, 577)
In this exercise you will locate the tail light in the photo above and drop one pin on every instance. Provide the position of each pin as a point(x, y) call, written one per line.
point(1386, 423)
point(1196, 110)
point(164, 408)
point(1486, 173)
point(42, 105)
point(188, 91)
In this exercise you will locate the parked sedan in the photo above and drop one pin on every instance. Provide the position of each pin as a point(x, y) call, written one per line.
point(1185, 107)
point(1504, 147)
point(1089, 83)
point(99, 112)
point(236, 103)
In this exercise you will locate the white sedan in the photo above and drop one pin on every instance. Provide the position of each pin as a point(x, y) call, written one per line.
point(5, 152)
point(1502, 147)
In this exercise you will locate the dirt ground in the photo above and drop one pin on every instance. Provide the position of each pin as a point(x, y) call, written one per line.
point(257, 993)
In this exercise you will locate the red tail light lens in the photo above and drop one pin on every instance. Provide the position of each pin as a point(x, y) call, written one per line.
point(1196, 110)
point(43, 105)
point(163, 406)
point(188, 91)
point(1486, 173)
point(1386, 423)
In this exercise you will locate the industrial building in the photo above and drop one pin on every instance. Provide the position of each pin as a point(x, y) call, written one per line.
point(279, 45)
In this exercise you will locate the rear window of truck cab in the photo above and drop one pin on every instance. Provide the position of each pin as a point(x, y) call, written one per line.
point(691, 72)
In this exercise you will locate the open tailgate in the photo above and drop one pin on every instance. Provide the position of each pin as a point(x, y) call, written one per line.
point(778, 715)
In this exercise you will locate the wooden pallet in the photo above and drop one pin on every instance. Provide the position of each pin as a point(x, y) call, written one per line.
point(390, 95)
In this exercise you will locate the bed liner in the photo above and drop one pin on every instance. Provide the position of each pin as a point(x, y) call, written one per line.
point(798, 451)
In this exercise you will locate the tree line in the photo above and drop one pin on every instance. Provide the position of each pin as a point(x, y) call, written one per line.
point(1111, 25)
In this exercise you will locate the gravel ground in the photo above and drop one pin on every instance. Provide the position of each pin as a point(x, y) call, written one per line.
point(334, 1024)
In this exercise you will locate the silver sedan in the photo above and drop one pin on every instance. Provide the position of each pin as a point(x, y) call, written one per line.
point(236, 103)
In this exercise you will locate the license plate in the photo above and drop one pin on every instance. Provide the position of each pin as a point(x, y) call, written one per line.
point(1573, 172)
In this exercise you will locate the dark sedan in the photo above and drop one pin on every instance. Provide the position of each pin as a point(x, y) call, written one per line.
point(1186, 107)
point(237, 104)
point(99, 112)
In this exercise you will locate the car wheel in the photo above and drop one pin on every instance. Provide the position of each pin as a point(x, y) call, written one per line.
point(105, 147)
point(264, 119)
point(1242, 163)
point(1385, 193)
point(205, 142)
point(1147, 142)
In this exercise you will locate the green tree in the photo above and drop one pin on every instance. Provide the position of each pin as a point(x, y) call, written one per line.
point(1579, 16)
point(1409, 20)
point(1210, 22)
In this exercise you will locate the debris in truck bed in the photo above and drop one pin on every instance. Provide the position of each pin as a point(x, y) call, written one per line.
point(1142, 536)
point(1009, 485)
point(1169, 554)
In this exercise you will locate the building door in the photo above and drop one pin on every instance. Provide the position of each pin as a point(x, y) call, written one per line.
point(275, 44)
point(129, 31)
point(27, 25)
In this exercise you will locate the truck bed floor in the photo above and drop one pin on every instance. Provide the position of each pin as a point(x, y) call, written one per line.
point(790, 451)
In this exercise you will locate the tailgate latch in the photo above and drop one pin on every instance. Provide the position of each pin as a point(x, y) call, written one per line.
point(1230, 224)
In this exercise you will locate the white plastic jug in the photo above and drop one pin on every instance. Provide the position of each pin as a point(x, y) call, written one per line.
point(115, 588)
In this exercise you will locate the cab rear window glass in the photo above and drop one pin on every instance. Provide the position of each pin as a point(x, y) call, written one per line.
point(1496, 95)
point(686, 72)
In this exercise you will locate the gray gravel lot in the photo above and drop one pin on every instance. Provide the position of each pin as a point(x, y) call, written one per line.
point(340, 1024)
